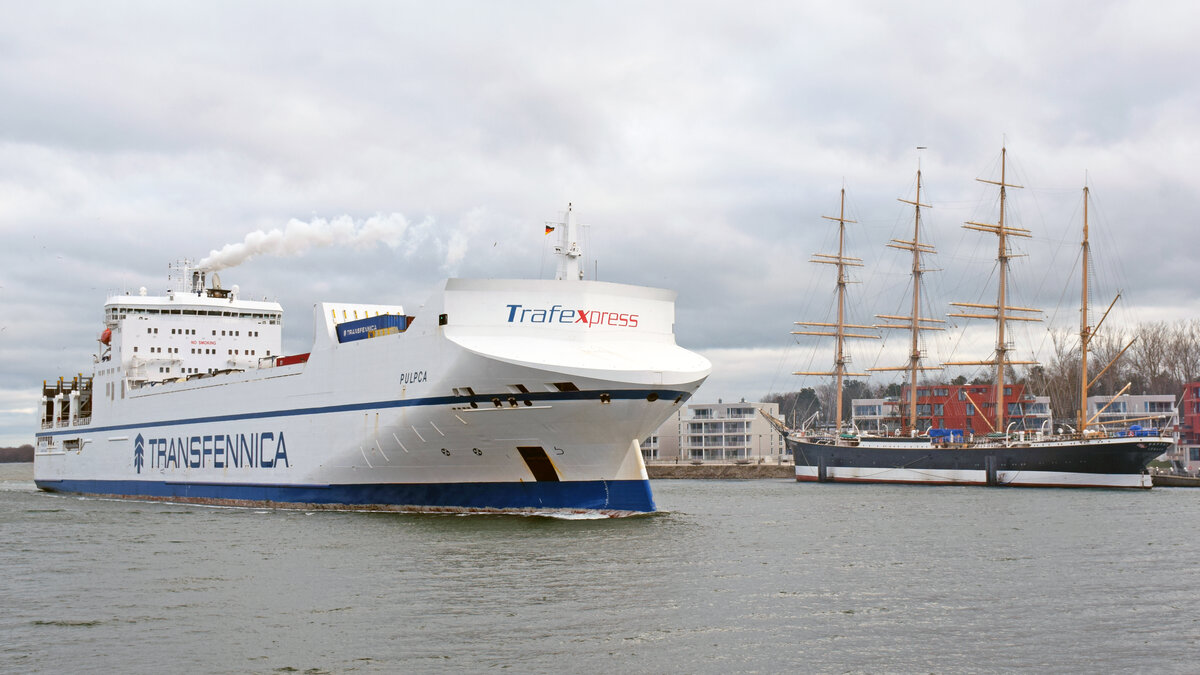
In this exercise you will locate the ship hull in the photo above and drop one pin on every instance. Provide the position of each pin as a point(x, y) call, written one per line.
point(467, 411)
point(1104, 462)
point(614, 497)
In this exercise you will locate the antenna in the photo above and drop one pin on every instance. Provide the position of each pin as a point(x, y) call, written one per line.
point(568, 250)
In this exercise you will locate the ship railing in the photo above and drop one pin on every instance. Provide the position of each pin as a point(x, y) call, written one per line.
point(47, 424)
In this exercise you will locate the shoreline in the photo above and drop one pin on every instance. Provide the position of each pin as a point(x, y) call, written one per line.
point(720, 471)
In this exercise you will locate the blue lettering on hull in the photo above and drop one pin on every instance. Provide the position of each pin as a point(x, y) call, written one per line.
point(618, 495)
point(265, 450)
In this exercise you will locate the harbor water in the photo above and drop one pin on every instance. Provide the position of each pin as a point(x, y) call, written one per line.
point(755, 576)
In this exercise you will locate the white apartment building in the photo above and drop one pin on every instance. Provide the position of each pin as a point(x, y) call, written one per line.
point(874, 415)
point(1147, 410)
point(717, 432)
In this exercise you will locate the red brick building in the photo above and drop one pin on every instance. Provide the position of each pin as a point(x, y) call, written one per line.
point(972, 407)
point(1188, 449)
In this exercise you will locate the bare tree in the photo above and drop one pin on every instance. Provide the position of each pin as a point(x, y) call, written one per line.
point(1059, 377)
point(1105, 367)
point(1183, 354)
point(1148, 359)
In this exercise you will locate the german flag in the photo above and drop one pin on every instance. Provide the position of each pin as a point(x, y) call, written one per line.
point(549, 229)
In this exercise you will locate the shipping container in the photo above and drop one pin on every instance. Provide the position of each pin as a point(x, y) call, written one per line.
point(363, 328)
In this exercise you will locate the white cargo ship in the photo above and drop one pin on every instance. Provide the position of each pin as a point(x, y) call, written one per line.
point(497, 394)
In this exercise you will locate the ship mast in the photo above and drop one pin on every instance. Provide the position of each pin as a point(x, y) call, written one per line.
point(914, 321)
point(1085, 333)
point(841, 261)
point(1003, 311)
point(568, 250)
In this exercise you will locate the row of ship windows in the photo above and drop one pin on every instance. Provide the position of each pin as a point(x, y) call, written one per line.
point(203, 350)
point(192, 331)
point(122, 312)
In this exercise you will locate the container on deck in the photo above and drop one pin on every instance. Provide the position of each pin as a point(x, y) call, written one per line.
point(291, 360)
point(373, 326)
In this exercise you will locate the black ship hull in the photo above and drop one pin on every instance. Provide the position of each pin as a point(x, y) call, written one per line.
point(1095, 462)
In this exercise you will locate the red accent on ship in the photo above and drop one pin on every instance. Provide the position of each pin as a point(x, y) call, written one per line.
point(291, 360)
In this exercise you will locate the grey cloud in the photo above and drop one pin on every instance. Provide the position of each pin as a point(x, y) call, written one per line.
point(701, 142)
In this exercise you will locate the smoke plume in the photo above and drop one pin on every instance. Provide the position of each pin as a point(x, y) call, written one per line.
point(299, 236)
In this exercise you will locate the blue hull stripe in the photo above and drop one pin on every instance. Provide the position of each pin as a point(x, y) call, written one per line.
point(482, 400)
point(618, 495)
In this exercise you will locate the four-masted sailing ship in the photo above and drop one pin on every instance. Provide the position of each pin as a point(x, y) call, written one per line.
point(1088, 456)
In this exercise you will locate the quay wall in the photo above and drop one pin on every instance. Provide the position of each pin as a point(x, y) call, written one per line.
point(723, 471)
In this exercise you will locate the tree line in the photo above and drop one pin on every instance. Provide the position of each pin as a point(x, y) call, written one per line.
point(23, 453)
point(1152, 358)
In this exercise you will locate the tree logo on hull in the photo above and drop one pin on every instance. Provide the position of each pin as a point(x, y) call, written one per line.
point(139, 452)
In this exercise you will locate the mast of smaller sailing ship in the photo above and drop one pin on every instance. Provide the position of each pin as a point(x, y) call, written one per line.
point(914, 321)
point(1003, 311)
point(842, 262)
point(1085, 333)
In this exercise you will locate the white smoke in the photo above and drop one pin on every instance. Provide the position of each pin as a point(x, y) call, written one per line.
point(298, 237)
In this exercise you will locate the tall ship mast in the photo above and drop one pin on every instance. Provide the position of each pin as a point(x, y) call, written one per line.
point(1002, 312)
point(1087, 331)
point(841, 261)
point(914, 322)
point(1002, 456)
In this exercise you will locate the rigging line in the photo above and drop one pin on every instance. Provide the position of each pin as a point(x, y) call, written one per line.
point(964, 324)
point(1052, 320)
point(1113, 274)
point(783, 354)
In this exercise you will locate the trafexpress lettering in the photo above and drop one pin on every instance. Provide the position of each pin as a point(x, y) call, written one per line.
point(265, 450)
point(556, 314)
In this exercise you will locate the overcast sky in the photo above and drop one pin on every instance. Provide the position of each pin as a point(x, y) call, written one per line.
point(700, 142)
